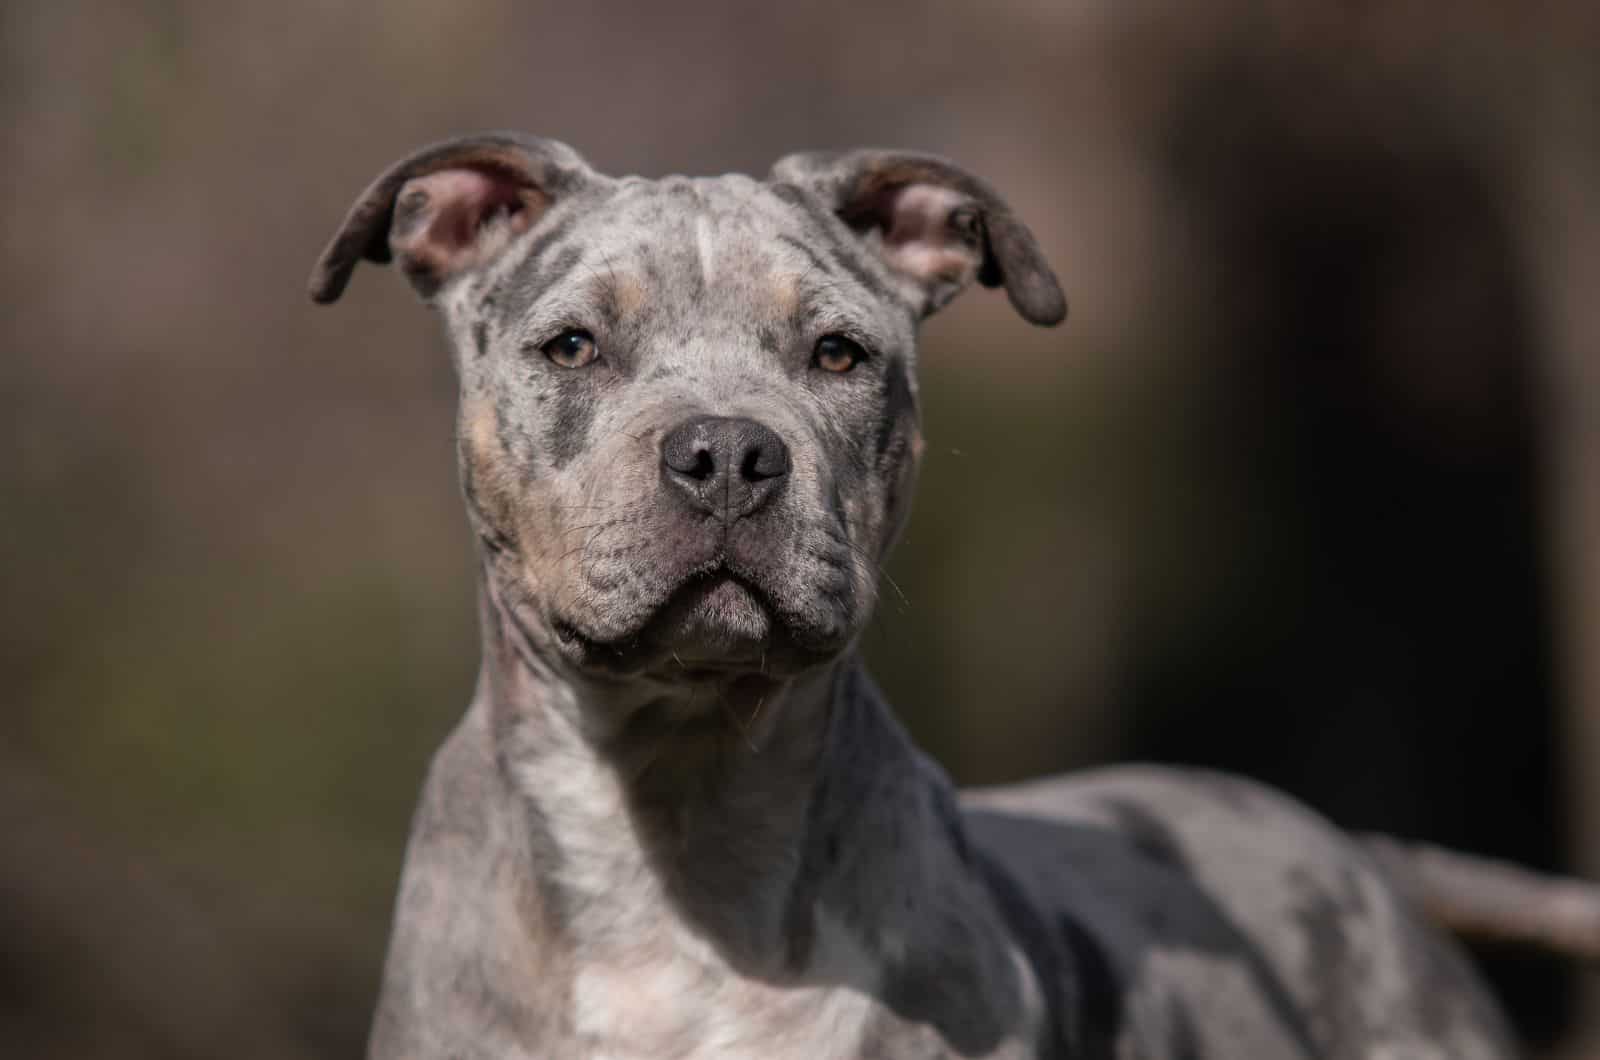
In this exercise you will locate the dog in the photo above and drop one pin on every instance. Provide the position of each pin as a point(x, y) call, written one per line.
point(678, 819)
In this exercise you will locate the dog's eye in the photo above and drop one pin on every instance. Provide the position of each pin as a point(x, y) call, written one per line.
point(835, 353)
point(573, 348)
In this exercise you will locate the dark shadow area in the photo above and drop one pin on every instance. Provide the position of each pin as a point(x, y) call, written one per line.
point(1372, 635)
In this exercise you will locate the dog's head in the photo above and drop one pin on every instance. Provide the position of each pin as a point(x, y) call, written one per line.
point(688, 429)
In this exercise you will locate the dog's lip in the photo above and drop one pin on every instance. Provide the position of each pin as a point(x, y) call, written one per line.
point(704, 580)
point(687, 623)
point(721, 573)
point(650, 645)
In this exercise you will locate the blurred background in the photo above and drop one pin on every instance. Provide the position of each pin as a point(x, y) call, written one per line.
point(1307, 487)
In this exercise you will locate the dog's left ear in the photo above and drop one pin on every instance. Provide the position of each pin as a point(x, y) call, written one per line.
point(936, 226)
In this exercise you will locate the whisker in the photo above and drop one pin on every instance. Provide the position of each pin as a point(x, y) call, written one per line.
point(905, 601)
point(733, 716)
point(560, 508)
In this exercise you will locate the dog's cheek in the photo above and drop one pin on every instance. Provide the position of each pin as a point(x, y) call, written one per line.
point(511, 508)
point(898, 466)
point(896, 451)
point(612, 494)
point(486, 478)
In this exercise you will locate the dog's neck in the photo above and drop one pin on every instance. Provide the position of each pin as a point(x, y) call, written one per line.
point(790, 828)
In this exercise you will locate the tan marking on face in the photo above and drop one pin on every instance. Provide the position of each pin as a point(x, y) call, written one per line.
point(477, 415)
point(786, 293)
point(485, 455)
point(629, 294)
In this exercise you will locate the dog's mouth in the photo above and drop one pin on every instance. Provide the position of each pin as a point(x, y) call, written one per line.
point(748, 600)
point(714, 620)
point(715, 623)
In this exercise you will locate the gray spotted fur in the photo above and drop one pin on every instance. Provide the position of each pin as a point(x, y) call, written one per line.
point(695, 830)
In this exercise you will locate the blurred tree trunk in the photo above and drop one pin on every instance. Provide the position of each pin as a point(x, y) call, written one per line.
point(1563, 169)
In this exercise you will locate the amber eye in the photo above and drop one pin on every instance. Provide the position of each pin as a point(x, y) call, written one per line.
point(835, 353)
point(573, 348)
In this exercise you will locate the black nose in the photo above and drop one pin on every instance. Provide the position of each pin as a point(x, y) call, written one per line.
point(724, 466)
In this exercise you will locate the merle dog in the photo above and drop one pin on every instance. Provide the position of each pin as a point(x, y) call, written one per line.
point(678, 820)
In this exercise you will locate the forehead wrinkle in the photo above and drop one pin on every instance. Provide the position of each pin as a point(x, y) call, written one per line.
point(798, 248)
point(590, 267)
point(617, 296)
point(558, 235)
point(819, 309)
point(572, 306)
point(657, 245)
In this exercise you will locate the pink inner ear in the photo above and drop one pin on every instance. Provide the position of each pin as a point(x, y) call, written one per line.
point(919, 240)
point(439, 219)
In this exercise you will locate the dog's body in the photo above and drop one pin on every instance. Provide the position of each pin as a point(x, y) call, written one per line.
point(678, 820)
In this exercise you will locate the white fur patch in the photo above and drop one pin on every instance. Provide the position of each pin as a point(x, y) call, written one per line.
point(648, 986)
point(674, 997)
point(707, 247)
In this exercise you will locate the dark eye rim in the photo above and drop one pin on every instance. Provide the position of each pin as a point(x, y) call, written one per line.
point(857, 350)
point(554, 354)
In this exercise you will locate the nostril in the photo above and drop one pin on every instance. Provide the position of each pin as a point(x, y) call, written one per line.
point(689, 451)
point(763, 462)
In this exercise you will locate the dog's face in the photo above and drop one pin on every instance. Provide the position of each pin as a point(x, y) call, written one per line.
point(688, 428)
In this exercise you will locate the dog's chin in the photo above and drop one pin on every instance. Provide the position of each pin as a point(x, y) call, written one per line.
point(714, 626)
point(714, 622)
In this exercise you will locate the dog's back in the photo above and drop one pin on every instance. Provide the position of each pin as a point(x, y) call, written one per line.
point(1219, 919)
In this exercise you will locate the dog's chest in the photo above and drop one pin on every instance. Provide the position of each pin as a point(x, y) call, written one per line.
point(685, 1004)
point(646, 985)
point(691, 1006)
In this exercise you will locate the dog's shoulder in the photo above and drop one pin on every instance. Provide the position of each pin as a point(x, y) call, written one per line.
point(457, 981)
point(1190, 913)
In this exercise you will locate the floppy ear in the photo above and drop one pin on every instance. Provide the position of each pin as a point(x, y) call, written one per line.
point(448, 208)
point(935, 225)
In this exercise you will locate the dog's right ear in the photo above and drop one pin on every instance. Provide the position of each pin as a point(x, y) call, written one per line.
point(449, 208)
